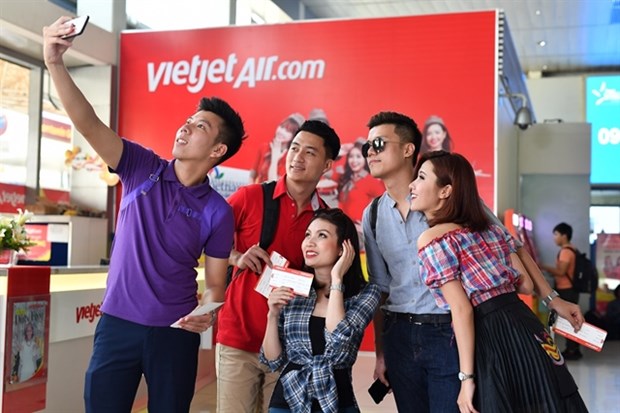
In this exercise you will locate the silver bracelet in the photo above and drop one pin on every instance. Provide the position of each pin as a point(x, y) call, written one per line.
point(337, 287)
point(547, 300)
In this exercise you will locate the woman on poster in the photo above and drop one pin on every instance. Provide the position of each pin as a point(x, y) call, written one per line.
point(29, 354)
point(435, 136)
point(356, 186)
point(271, 157)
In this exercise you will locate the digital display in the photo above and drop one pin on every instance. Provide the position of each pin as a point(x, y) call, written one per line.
point(603, 112)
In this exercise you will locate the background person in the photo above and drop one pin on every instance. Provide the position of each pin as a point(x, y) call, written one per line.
point(243, 383)
point(315, 339)
point(612, 316)
point(467, 264)
point(159, 238)
point(563, 272)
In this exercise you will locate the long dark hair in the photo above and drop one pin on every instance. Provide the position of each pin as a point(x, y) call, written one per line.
point(353, 280)
point(464, 206)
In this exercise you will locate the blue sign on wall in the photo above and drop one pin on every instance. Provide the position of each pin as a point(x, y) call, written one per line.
point(603, 112)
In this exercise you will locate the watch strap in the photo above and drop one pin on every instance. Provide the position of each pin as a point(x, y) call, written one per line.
point(547, 300)
point(465, 376)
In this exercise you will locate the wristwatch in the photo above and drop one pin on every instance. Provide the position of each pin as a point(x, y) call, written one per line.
point(337, 287)
point(547, 300)
point(465, 376)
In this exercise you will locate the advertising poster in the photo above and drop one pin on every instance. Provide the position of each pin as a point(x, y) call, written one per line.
point(438, 69)
point(42, 248)
point(603, 112)
point(27, 338)
point(608, 256)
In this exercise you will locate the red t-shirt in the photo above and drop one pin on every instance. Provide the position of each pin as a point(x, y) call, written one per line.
point(243, 317)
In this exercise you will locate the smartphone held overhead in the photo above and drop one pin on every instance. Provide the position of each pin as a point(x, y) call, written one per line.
point(79, 24)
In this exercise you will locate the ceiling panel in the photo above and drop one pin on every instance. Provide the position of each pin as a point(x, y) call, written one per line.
point(579, 34)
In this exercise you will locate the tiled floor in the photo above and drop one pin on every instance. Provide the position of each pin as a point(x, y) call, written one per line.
point(597, 374)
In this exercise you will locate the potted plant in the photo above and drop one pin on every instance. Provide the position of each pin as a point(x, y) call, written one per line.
point(14, 239)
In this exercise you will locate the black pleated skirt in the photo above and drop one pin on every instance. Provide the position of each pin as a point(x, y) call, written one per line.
point(518, 366)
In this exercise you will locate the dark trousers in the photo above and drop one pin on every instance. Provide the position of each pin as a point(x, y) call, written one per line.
point(422, 364)
point(572, 296)
point(124, 351)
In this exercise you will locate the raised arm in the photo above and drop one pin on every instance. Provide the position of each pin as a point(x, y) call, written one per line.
point(104, 140)
point(525, 284)
point(279, 297)
point(568, 310)
point(335, 305)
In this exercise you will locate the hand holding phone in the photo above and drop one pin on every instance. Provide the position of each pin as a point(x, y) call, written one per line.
point(79, 24)
point(378, 390)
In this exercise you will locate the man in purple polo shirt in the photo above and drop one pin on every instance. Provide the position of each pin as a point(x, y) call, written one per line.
point(169, 215)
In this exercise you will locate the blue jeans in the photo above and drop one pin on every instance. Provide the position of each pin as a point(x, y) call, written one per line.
point(123, 351)
point(422, 365)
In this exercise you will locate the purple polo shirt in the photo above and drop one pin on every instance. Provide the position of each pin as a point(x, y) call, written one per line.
point(159, 238)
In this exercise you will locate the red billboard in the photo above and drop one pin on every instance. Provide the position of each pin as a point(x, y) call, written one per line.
point(435, 65)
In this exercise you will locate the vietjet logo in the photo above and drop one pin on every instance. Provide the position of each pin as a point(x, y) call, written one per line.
point(605, 94)
point(12, 198)
point(88, 312)
point(196, 72)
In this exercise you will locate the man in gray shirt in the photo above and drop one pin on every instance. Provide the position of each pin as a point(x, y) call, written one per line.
point(414, 340)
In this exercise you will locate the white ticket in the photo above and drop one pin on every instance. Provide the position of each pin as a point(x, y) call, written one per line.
point(200, 310)
point(262, 286)
point(589, 336)
point(299, 281)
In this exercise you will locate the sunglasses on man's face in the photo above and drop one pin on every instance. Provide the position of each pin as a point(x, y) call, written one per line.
point(378, 145)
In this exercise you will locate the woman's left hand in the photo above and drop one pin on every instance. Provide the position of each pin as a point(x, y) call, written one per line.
point(466, 397)
point(344, 262)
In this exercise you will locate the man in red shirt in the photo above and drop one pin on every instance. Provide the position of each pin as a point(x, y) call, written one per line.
point(243, 383)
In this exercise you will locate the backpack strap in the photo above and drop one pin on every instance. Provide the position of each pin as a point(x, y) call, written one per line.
point(144, 187)
point(575, 252)
point(271, 213)
point(374, 206)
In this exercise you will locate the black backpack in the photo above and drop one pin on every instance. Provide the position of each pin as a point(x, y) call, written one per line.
point(585, 277)
point(271, 213)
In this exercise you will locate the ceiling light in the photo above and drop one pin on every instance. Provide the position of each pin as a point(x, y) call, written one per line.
point(542, 43)
point(538, 12)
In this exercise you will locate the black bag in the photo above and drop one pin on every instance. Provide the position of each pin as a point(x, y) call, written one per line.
point(271, 213)
point(585, 277)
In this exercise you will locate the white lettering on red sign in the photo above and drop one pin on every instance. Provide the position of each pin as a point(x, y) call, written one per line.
point(195, 73)
point(15, 199)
